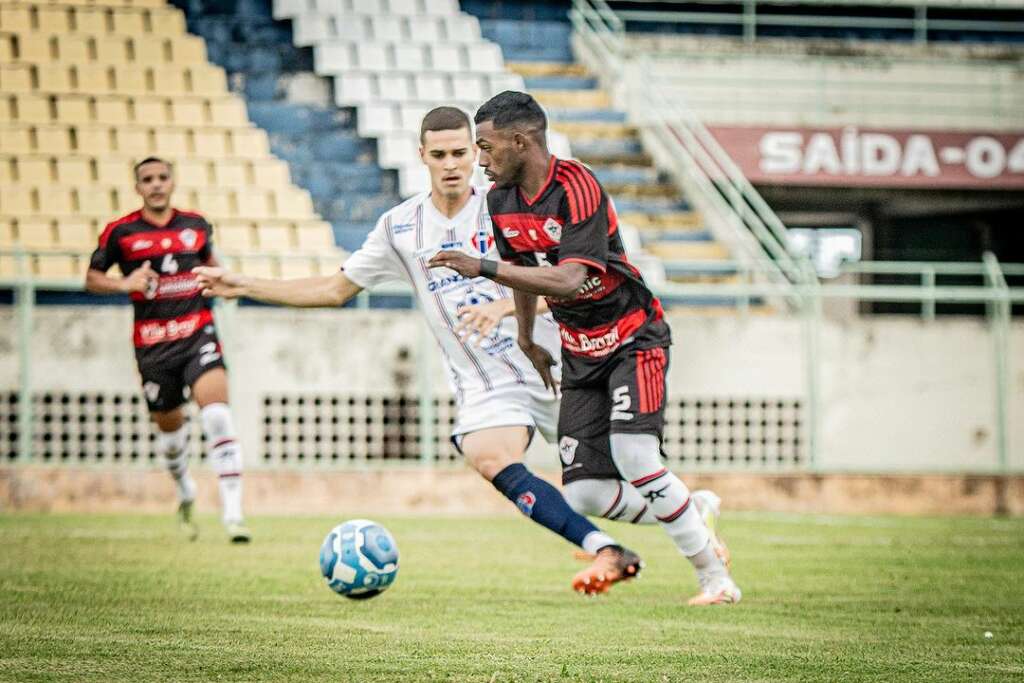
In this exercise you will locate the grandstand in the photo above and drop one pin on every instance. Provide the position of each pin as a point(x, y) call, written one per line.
point(292, 125)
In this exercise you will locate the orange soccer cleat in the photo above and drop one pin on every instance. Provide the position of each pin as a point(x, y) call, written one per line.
point(611, 564)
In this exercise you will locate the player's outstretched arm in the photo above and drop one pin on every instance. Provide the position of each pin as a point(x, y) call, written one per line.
point(307, 292)
point(139, 280)
point(559, 281)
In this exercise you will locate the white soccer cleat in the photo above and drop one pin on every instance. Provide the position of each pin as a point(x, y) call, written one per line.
point(238, 532)
point(709, 506)
point(717, 591)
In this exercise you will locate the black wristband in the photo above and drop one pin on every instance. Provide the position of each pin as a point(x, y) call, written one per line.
point(488, 268)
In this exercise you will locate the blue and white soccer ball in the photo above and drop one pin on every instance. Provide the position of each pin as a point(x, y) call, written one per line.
point(359, 559)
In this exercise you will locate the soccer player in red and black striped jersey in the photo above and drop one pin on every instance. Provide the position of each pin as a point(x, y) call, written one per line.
point(176, 345)
point(553, 212)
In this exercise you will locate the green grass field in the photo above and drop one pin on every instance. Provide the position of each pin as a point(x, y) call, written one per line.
point(124, 598)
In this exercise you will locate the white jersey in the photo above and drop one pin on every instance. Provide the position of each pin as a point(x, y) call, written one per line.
point(399, 247)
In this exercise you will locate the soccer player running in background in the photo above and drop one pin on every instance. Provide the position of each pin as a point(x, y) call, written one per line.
point(553, 212)
point(176, 345)
point(501, 400)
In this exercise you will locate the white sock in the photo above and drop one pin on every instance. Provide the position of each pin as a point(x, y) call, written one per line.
point(226, 458)
point(596, 540)
point(707, 564)
point(609, 498)
point(638, 457)
point(173, 448)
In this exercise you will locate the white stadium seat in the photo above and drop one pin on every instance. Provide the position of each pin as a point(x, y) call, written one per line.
point(410, 57)
point(485, 57)
point(504, 81)
point(397, 148)
point(443, 7)
point(432, 86)
point(374, 7)
point(394, 87)
point(309, 29)
point(388, 29)
point(446, 58)
point(468, 88)
point(462, 28)
point(377, 118)
point(354, 88)
point(372, 56)
point(333, 58)
point(412, 115)
point(413, 178)
point(426, 29)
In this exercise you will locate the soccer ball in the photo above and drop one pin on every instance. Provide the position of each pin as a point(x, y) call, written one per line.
point(359, 559)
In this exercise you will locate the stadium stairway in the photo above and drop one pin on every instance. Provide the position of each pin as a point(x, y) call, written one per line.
point(286, 98)
point(539, 49)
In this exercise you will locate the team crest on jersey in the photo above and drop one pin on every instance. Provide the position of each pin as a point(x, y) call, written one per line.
point(484, 241)
point(525, 503)
point(552, 228)
point(567, 449)
point(188, 237)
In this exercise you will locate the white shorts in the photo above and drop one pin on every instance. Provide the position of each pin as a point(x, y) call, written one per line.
point(529, 405)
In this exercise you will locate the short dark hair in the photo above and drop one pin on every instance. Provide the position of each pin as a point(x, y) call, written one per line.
point(151, 160)
point(511, 108)
point(445, 118)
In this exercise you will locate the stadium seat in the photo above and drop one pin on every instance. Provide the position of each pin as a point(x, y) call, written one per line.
point(76, 233)
point(467, 88)
point(36, 233)
point(234, 236)
point(215, 202)
point(292, 203)
point(91, 21)
point(409, 57)
point(258, 267)
point(408, 8)
point(112, 50)
point(432, 86)
point(462, 28)
point(33, 170)
point(250, 143)
point(16, 139)
point(32, 108)
point(275, 237)
point(388, 29)
point(57, 267)
point(16, 78)
point(228, 111)
point(355, 88)
point(115, 110)
point(170, 142)
point(135, 141)
point(446, 58)
point(15, 18)
point(91, 139)
point(36, 48)
point(169, 80)
point(270, 173)
point(72, 109)
point(7, 227)
point(442, 7)
point(102, 201)
point(231, 173)
point(113, 171)
point(212, 141)
point(298, 267)
point(52, 139)
point(75, 170)
point(314, 236)
point(394, 87)
point(186, 50)
point(56, 78)
point(188, 111)
point(372, 56)
point(333, 58)
point(257, 205)
point(207, 80)
point(52, 19)
point(485, 57)
point(372, 7)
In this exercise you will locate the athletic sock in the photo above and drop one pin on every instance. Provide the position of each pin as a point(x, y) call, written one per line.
point(173, 447)
point(542, 502)
point(638, 458)
point(609, 498)
point(225, 456)
point(708, 564)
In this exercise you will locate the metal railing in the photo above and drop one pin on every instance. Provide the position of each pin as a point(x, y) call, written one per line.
point(917, 22)
point(994, 293)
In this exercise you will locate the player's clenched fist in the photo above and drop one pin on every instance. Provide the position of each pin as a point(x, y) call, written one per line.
point(216, 281)
point(463, 264)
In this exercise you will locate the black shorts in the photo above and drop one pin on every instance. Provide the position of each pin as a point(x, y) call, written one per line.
point(164, 383)
point(624, 393)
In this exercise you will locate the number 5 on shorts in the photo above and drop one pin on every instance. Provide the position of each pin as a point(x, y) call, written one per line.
point(621, 403)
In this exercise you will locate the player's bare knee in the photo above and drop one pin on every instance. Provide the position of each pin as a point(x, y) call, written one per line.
point(489, 462)
point(211, 387)
point(168, 420)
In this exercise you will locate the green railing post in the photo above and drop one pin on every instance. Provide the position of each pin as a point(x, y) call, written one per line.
point(999, 319)
point(811, 329)
point(928, 305)
point(921, 24)
point(26, 296)
point(749, 21)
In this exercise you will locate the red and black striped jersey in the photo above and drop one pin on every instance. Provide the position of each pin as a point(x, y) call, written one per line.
point(572, 219)
point(173, 310)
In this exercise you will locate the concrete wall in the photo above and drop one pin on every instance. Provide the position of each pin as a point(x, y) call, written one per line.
point(897, 394)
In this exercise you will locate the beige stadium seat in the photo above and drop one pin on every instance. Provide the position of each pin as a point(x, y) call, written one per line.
point(75, 48)
point(111, 110)
point(113, 170)
point(74, 170)
point(250, 143)
point(33, 108)
point(15, 200)
point(192, 172)
point(112, 50)
point(231, 173)
point(92, 21)
point(254, 266)
point(94, 139)
point(15, 78)
point(130, 22)
point(275, 237)
point(215, 202)
point(228, 111)
point(206, 79)
point(135, 141)
point(8, 169)
point(36, 48)
point(329, 264)
point(171, 142)
point(256, 204)
point(129, 79)
point(99, 79)
point(298, 267)
point(314, 236)
point(53, 139)
point(53, 18)
point(270, 173)
point(36, 233)
point(34, 170)
point(8, 109)
point(76, 233)
point(186, 50)
point(56, 267)
point(234, 236)
point(6, 233)
point(147, 51)
point(16, 139)
point(57, 200)
point(169, 80)
point(148, 110)
point(292, 203)
point(188, 111)
point(6, 47)
point(211, 142)
point(15, 18)
point(72, 109)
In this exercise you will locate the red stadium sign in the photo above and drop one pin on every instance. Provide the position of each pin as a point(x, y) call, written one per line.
point(872, 157)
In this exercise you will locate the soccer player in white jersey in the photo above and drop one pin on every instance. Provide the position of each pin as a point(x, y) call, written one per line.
point(502, 400)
